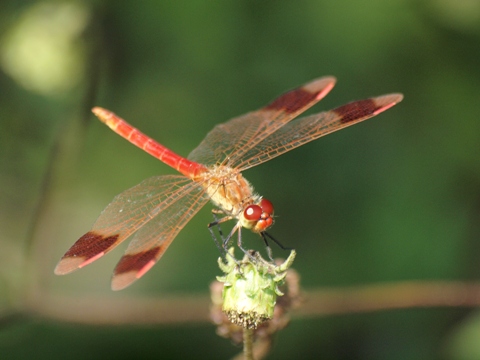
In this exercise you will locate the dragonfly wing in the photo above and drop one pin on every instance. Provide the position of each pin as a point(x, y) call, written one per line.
point(152, 240)
point(301, 131)
point(228, 142)
point(127, 213)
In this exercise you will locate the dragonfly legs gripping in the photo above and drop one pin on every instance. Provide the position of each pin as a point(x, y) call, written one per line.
point(225, 240)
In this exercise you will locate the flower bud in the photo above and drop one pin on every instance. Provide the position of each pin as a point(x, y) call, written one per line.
point(251, 287)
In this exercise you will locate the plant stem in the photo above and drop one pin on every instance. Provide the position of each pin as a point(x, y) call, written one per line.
point(248, 344)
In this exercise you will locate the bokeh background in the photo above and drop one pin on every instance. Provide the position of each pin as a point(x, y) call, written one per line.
point(394, 199)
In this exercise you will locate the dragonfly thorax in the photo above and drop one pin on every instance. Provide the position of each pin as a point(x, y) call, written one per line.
point(229, 190)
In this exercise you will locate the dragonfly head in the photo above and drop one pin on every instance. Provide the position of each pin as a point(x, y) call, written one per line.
point(258, 217)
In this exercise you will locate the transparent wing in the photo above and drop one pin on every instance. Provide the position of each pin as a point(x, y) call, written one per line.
point(152, 240)
point(131, 210)
point(227, 143)
point(301, 131)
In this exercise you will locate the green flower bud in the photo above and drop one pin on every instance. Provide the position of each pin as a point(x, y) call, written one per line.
point(250, 288)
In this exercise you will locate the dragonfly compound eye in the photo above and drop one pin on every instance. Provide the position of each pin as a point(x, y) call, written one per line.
point(252, 212)
point(267, 206)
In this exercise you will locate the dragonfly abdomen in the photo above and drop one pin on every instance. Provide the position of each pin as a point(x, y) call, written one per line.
point(149, 145)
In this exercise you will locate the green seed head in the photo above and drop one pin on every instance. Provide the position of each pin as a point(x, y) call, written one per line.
point(251, 288)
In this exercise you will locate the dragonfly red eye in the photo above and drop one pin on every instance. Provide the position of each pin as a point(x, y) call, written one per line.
point(266, 206)
point(252, 212)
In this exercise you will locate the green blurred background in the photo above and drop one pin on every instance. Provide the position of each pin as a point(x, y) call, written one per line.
point(394, 199)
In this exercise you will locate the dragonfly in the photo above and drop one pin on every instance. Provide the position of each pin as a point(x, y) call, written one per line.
point(155, 211)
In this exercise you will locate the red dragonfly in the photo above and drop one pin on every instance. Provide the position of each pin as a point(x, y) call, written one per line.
point(157, 209)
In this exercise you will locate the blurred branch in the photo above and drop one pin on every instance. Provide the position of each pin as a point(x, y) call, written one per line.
point(108, 311)
point(194, 308)
point(389, 296)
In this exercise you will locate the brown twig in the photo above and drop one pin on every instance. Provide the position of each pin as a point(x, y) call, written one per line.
point(399, 295)
point(319, 302)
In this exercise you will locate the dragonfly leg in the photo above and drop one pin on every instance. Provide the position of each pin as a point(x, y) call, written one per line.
point(275, 241)
point(267, 247)
point(239, 244)
point(220, 248)
point(219, 221)
point(217, 224)
point(225, 240)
